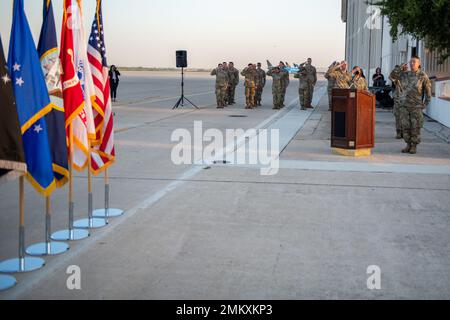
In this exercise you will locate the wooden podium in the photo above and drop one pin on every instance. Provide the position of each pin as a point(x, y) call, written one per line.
point(352, 122)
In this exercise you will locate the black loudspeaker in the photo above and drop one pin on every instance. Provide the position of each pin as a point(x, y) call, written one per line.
point(181, 56)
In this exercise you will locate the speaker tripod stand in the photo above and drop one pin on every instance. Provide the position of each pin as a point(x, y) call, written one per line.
point(180, 101)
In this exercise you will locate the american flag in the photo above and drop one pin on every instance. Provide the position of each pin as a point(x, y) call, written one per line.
point(103, 152)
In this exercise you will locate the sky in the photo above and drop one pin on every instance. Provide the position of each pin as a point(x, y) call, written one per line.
point(148, 32)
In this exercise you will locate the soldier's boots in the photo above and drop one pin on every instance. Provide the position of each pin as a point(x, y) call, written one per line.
point(399, 134)
point(413, 149)
point(407, 148)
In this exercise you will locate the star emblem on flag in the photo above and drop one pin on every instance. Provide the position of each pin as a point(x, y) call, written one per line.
point(6, 79)
point(37, 128)
point(19, 81)
point(16, 67)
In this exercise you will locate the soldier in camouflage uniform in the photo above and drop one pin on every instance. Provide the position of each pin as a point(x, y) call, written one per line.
point(302, 76)
point(277, 86)
point(415, 85)
point(261, 83)
point(222, 80)
point(226, 100)
point(251, 78)
point(233, 74)
point(311, 82)
point(331, 83)
point(397, 93)
point(358, 80)
point(339, 76)
point(282, 67)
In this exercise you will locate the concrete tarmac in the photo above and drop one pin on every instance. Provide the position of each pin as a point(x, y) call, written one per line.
point(227, 232)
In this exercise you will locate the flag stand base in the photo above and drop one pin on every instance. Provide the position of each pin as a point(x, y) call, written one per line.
point(7, 282)
point(47, 248)
point(25, 264)
point(70, 235)
point(107, 213)
point(90, 223)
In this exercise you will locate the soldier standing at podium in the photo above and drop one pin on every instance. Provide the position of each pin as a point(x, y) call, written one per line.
point(339, 75)
point(416, 85)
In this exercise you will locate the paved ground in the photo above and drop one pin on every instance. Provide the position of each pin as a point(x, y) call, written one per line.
point(226, 231)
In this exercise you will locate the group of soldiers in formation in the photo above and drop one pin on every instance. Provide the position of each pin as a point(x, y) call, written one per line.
point(227, 78)
point(412, 90)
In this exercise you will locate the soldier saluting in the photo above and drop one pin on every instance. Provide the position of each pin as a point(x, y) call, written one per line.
point(397, 94)
point(233, 74)
point(278, 76)
point(311, 81)
point(222, 80)
point(302, 76)
point(339, 73)
point(414, 97)
point(251, 78)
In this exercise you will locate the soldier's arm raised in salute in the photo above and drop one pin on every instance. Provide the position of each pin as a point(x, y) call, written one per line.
point(396, 73)
point(214, 72)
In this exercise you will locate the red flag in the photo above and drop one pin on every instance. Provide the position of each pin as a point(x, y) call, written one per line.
point(72, 90)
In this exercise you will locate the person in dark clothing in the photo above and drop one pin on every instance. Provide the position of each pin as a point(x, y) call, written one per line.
point(378, 78)
point(113, 81)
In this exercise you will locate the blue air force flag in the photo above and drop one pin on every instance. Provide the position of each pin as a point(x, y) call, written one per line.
point(32, 101)
point(55, 119)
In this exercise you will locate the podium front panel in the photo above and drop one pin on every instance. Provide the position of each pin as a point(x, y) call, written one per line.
point(352, 119)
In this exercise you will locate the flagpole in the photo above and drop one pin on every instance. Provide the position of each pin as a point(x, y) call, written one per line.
point(22, 263)
point(107, 212)
point(90, 222)
point(48, 247)
point(71, 233)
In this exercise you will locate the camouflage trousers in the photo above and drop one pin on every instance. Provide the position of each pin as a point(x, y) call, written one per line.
point(397, 107)
point(411, 122)
point(310, 94)
point(277, 98)
point(221, 93)
point(258, 94)
point(302, 97)
point(305, 96)
point(283, 93)
point(250, 92)
point(231, 93)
